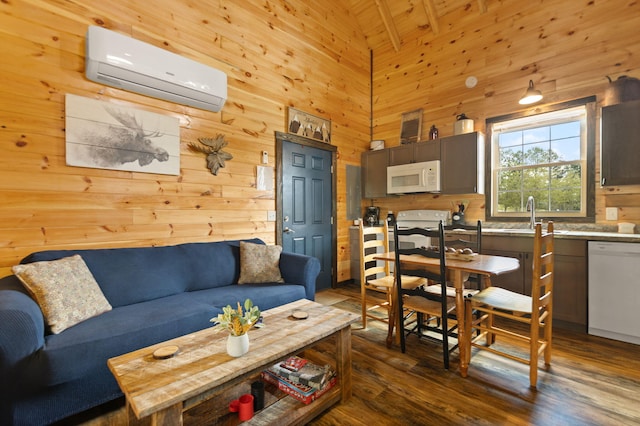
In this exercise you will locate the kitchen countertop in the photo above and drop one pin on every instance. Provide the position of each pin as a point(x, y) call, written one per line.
point(567, 235)
point(567, 231)
point(571, 231)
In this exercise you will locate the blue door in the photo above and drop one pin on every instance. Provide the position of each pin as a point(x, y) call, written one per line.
point(307, 205)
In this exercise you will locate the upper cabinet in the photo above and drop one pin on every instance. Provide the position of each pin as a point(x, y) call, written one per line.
point(414, 152)
point(401, 154)
point(462, 164)
point(374, 173)
point(620, 138)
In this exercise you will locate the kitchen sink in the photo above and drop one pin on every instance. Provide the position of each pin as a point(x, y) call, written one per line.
point(524, 231)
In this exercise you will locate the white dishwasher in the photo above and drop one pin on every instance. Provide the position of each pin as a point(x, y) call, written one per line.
point(614, 290)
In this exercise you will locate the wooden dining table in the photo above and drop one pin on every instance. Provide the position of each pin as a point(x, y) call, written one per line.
point(458, 271)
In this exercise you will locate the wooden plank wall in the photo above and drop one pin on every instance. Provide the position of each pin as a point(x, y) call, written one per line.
point(307, 54)
point(566, 47)
point(300, 53)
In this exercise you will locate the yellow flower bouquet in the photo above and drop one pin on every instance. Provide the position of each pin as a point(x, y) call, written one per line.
point(238, 321)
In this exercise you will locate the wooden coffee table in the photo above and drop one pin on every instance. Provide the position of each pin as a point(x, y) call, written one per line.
point(159, 391)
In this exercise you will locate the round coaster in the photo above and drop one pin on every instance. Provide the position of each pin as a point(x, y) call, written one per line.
point(165, 352)
point(300, 314)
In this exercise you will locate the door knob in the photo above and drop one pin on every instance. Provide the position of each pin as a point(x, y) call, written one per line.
point(288, 230)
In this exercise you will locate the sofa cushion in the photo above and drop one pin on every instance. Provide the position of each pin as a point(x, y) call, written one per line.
point(65, 290)
point(265, 295)
point(87, 346)
point(130, 275)
point(259, 263)
point(213, 264)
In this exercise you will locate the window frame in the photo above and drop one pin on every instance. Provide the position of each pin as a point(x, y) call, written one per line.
point(590, 107)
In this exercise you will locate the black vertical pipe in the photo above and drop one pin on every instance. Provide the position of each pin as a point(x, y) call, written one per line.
point(371, 95)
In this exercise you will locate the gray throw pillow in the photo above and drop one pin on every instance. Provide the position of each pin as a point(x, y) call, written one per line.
point(259, 263)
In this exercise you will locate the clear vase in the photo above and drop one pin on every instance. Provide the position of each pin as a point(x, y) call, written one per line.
point(237, 345)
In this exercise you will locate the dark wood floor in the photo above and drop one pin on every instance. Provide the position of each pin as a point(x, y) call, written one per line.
point(592, 381)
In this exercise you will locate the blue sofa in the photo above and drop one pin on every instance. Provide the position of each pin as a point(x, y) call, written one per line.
point(157, 293)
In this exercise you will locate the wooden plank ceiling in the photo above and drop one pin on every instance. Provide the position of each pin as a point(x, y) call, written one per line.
point(395, 22)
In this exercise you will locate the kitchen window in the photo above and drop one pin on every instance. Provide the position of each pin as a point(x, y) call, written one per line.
point(549, 155)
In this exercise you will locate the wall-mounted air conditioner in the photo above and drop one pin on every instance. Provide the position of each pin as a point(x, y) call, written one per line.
point(126, 63)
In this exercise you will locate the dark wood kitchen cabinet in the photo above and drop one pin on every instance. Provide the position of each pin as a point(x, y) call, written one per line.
point(570, 281)
point(462, 164)
point(402, 154)
point(519, 248)
point(374, 173)
point(620, 136)
point(414, 152)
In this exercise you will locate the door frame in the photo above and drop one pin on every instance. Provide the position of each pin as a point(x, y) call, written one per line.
point(280, 138)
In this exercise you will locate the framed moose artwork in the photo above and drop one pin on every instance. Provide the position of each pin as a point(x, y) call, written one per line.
point(105, 135)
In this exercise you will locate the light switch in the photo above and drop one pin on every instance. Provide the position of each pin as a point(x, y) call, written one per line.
point(265, 157)
point(611, 213)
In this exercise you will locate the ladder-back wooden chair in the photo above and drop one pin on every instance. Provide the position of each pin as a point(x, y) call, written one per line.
point(428, 307)
point(534, 311)
point(472, 241)
point(375, 274)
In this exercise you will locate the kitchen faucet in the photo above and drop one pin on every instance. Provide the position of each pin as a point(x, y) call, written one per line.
point(531, 207)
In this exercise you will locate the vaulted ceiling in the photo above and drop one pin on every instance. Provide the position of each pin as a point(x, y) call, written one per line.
point(396, 22)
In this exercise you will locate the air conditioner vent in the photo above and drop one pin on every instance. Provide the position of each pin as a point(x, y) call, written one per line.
point(129, 64)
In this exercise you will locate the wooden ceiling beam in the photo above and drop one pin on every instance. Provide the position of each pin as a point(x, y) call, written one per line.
point(387, 19)
point(430, 10)
point(482, 4)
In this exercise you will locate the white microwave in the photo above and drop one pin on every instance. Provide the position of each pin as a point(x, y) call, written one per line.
point(414, 177)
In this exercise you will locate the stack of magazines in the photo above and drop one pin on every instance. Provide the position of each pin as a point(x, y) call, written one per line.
point(301, 378)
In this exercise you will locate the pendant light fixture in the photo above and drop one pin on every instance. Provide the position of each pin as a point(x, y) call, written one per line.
point(531, 95)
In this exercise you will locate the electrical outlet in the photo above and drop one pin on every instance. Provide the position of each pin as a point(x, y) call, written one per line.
point(265, 158)
point(271, 216)
point(611, 213)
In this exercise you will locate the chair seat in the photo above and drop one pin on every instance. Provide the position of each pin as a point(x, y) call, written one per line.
point(383, 284)
point(503, 299)
point(407, 282)
point(451, 292)
point(424, 305)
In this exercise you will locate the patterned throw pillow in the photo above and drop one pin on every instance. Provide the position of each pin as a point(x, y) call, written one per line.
point(65, 290)
point(259, 263)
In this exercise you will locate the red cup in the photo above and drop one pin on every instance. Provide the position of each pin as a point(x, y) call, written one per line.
point(234, 406)
point(245, 411)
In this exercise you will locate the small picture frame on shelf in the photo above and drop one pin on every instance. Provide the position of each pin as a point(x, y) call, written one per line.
point(411, 126)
